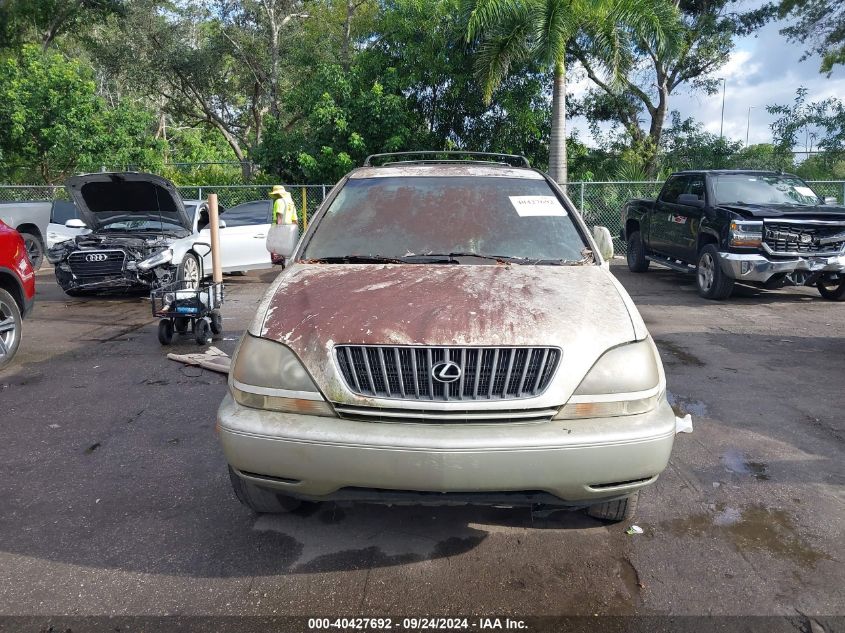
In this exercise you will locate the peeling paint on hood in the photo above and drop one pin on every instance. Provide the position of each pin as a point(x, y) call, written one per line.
point(312, 307)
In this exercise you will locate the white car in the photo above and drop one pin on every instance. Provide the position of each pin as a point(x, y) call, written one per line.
point(143, 235)
point(57, 229)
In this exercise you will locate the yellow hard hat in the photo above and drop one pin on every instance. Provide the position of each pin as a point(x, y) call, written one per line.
point(277, 191)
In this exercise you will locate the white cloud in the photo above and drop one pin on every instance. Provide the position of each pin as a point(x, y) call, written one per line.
point(762, 70)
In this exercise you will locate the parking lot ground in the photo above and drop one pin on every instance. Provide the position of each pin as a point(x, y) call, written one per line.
point(116, 501)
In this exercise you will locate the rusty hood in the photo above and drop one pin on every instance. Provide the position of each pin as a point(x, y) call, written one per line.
point(312, 307)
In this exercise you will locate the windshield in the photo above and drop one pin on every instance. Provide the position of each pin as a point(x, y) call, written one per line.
point(757, 189)
point(409, 218)
point(138, 223)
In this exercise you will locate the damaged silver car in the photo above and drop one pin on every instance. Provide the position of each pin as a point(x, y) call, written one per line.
point(447, 332)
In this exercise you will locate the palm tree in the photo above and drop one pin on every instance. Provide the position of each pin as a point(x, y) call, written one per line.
point(537, 31)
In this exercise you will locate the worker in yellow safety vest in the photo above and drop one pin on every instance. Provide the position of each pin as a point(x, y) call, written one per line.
point(284, 210)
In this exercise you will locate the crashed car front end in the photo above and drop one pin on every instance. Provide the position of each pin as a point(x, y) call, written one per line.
point(97, 263)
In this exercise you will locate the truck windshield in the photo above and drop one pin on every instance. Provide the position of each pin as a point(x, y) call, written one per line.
point(757, 189)
point(409, 218)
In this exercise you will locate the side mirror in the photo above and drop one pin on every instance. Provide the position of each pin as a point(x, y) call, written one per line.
point(690, 200)
point(830, 200)
point(601, 234)
point(75, 223)
point(282, 239)
point(221, 224)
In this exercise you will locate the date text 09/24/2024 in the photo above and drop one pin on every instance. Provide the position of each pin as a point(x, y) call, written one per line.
point(415, 624)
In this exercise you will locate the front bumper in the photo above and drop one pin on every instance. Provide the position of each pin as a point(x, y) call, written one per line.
point(758, 268)
point(574, 462)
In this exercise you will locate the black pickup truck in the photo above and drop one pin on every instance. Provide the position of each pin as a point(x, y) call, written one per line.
point(752, 227)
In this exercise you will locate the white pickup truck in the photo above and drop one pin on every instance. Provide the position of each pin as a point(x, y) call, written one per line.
point(30, 219)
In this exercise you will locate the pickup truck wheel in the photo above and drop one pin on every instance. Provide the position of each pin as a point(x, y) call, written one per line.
point(713, 283)
point(261, 500)
point(832, 290)
point(10, 328)
point(34, 249)
point(635, 253)
point(619, 510)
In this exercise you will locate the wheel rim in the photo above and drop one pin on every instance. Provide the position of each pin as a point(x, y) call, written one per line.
point(190, 272)
point(33, 251)
point(831, 286)
point(706, 272)
point(8, 330)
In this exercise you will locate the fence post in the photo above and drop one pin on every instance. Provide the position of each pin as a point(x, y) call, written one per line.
point(843, 193)
point(581, 208)
point(199, 193)
point(305, 208)
point(324, 192)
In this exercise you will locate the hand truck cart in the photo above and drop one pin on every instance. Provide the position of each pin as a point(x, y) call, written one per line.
point(185, 309)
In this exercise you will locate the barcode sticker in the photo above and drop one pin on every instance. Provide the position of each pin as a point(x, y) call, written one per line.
point(529, 206)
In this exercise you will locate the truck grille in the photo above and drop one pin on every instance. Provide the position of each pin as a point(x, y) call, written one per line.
point(477, 373)
point(788, 238)
point(96, 263)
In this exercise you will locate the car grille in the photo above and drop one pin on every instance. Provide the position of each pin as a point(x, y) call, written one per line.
point(789, 238)
point(486, 373)
point(96, 263)
point(448, 416)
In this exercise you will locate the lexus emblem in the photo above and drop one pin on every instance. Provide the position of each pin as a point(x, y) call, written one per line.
point(446, 371)
point(96, 257)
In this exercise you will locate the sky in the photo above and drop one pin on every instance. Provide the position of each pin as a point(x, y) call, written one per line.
point(763, 69)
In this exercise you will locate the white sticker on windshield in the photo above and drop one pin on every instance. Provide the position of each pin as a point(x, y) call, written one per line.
point(528, 206)
point(805, 191)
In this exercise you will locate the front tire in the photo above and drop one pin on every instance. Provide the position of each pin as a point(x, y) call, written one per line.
point(10, 328)
point(712, 281)
point(635, 253)
point(165, 331)
point(189, 272)
point(261, 500)
point(34, 249)
point(615, 511)
point(832, 291)
point(202, 331)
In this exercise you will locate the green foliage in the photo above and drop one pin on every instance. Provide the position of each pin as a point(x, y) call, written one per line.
point(52, 120)
point(820, 24)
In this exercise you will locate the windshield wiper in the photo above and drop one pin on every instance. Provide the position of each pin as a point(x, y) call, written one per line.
point(451, 257)
point(355, 259)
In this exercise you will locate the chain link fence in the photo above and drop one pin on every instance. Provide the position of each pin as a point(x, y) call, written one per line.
point(600, 203)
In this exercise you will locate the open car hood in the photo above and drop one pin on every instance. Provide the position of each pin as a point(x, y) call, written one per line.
point(104, 197)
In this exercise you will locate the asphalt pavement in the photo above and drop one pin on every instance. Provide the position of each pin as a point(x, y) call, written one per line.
point(116, 499)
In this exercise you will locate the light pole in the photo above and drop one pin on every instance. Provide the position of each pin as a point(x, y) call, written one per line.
point(722, 125)
point(748, 124)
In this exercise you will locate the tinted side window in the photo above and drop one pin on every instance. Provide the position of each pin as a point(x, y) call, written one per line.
point(63, 211)
point(696, 186)
point(257, 212)
point(675, 186)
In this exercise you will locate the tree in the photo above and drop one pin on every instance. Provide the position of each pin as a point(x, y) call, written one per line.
point(220, 64)
point(819, 23)
point(705, 42)
point(52, 122)
point(800, 121)
point(42, 21)
point(540, 30)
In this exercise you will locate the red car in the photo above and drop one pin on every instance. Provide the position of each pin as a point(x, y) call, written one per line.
point(17, 291)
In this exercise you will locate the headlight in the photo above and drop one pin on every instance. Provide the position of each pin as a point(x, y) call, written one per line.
point(268, 375)
point(624, 381)
point(745, 233)
point(158, 259)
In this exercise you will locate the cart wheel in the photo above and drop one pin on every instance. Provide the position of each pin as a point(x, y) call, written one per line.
point(202, 332)
point(181, 324)
point(216, 322)
point(165, 331)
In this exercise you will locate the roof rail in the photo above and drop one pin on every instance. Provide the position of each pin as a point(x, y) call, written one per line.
point(513, 160)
